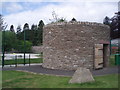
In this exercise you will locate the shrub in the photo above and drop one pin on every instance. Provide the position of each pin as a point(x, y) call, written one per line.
point(20, 46)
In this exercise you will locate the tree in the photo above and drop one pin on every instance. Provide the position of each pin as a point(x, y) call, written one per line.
point(1, 28)
point(20, 46)
point(106, 20)
point(34, 27)
point(26, 26)
point(10, 40)
point(26, 30)
point(73, 20)
point(40, 25)
point(19, 33)
point(19, 29)
point(61, 19)
point(40, 32)
point(12, 43)
point(114, 24)
point(3, 25)
point(56, 18)
point(12, 28)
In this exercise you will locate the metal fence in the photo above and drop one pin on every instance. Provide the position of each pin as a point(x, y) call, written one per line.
point(16, 60)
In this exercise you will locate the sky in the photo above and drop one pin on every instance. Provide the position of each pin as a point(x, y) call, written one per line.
point(18, 12)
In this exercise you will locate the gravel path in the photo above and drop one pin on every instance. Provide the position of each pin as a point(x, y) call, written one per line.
point(41, 70)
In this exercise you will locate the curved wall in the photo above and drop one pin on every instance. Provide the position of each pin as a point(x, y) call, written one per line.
point(71, 45)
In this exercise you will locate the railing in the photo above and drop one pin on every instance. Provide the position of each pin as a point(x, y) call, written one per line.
point(18, 60)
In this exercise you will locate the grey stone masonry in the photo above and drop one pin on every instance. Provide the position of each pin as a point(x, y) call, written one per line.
point(82, 75)
point(70, 45)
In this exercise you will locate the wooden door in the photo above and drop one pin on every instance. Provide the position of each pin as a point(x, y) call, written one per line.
point(98, 60)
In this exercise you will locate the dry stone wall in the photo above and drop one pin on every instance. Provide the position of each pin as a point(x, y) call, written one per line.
point(37, 49)
point(71, 45)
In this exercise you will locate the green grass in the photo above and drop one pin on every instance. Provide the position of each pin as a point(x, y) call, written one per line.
point(21, 61)
point(18, 79)
point(0, 80)
point(40, 55)
point(112, 60)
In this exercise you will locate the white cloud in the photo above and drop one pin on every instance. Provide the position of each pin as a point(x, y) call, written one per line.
point(12, 7)
point(59, 0)
point(85, 11)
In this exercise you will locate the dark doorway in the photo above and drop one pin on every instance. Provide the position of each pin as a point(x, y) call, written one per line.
point(105, 55)
point(101, 56)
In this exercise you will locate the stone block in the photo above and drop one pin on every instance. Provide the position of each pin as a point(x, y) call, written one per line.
point(82, 75)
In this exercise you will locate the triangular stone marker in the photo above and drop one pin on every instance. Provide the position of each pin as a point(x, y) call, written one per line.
point(82, 75)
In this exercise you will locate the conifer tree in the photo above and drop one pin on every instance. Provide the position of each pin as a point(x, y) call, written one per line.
point(26, 30)
point(12, 28)
point(19, 29)
point(40, 32)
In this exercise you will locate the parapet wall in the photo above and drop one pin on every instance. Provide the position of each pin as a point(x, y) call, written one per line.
point(79, 22)
point(70, 45)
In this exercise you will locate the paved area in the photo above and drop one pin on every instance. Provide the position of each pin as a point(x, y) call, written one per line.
point(41, 70)
point(22, 65)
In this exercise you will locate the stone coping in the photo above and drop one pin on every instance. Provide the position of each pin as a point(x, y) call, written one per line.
point(78, 22)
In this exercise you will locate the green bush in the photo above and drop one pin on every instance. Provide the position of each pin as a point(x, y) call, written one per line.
point(20, 46)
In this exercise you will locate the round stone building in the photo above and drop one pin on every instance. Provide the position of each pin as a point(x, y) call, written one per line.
point(70, 45)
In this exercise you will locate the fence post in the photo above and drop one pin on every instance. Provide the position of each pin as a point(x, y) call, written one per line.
point(24, 46)
point(3, 61)
point(3, 49)
point(15, 60)
point(29, 59)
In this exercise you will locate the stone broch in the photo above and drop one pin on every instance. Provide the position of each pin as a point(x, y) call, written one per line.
point(68, 46)
point(82, 75)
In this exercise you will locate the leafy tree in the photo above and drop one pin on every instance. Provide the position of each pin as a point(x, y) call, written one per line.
point(20, 46)
point(11, 43)
point(9, 40)
point(12, 28)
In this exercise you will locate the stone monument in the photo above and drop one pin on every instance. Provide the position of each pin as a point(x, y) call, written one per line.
point(82, 75)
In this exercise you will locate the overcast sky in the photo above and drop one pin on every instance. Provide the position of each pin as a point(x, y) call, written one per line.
point(19, 13)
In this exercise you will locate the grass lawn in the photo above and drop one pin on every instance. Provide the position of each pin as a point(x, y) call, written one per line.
point(21, 61)
point(18, 79)
point(112, 60)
